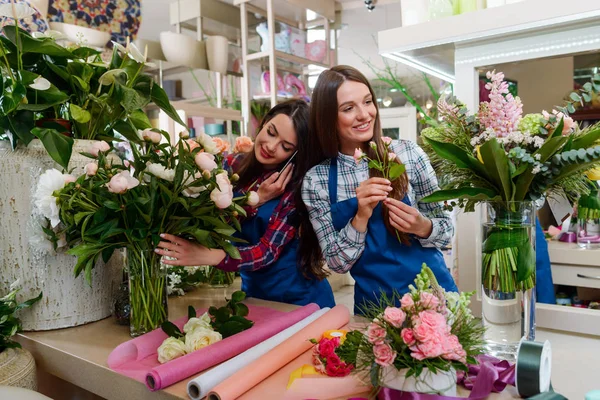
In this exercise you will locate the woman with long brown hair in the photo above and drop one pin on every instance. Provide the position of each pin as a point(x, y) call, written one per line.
point(354, 212)
point(269, 263)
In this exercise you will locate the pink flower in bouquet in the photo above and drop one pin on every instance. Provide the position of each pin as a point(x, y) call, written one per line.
point(69, 178)
point(98, 147)
point(384, 354)
point(122, 182)
point(222, 145)
point(428, 325)
point(407, 302)
point(205, 161)
point(394, 316)
point(432, 348)
point(375, 333)
point(150, 136)
point(327, 346)
point(336, 368)
point(358, 155)
point(408, 336)
point(91, 169)
point(453, 350)
point(222, 196)
point(192, 144)
point(392, 156)
point(568, 122)
point(318, 364)
point(386, 139)
point(429, 301)
point(503, 112)
point(243, 144)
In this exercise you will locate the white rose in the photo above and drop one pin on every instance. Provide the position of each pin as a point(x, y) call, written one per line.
point(50, 181)
point(253, 199)
point(197, 323)
point(207, 143)
point(200, 338)
point(171, 349)
point(160, 171)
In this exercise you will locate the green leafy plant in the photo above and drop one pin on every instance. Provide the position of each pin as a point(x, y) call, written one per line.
point(56, 94)
point(10, 325)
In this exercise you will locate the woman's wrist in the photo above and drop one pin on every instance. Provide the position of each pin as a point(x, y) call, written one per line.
point(427, 228)
point(215, 256)
point(359, 223)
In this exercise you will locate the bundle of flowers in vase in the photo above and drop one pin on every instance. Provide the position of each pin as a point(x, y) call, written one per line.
point(418, 346)
point(178, 189)
point(507, 161)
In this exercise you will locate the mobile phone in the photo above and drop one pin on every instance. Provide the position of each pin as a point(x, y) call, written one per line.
point(288, 161)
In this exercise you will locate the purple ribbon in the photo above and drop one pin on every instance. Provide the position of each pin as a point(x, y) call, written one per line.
point(568, 237)
point(490, 375)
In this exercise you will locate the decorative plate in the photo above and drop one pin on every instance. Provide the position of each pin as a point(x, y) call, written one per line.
point(35, 23)
point(122, 18)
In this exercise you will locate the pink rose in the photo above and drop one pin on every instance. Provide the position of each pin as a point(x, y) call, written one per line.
point(386, 139)
point(432, 348)
point(205, 161)
point(91, 169)
point(316, 359)
point(407, 302)
point(150, 136)
point(69, 178)
point(253, 199)
point(408, 336)
point(375, 333)
point(192, 144)
point(394, 316)
point(358, 155)
point(384, 355)
point(98, 147)
point(392, 156)
point(327, 347)
point(222, 145)
point(127, 163)
point(453, 350)
point(429, 301)
point(243, 144)
point(569, 125)
point(222, 195)
point(428, 324)
point(122, 182)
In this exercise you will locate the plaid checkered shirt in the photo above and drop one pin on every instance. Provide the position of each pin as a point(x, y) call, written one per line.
point(342, 249)
point(280, 230)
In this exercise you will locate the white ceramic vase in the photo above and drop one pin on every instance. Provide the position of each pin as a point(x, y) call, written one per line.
point(183, 50)
point(217, 53)
point(17, 368)
point(442, 383)
point(26, 255)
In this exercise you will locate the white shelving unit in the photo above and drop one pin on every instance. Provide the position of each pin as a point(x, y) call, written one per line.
point(292, 13)
point(455, 48)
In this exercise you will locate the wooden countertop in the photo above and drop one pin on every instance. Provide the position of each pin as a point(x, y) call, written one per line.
point(78, 355)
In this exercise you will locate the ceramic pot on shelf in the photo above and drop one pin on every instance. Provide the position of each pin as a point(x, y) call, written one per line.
point(217, 53)
point(184, 50)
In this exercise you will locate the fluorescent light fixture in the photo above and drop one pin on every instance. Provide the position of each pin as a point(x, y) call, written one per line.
point(393, 90)
point(411, 62)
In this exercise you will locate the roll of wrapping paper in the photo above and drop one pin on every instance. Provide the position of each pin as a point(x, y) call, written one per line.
point(275, 359)
point(199, 387)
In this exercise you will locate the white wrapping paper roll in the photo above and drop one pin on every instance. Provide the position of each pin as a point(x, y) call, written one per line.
point(200, 386)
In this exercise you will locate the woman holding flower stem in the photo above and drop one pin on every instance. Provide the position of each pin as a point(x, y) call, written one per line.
point(345, 196)
point(269, 262)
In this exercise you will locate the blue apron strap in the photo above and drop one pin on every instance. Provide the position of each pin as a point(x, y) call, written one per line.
point(333, 181)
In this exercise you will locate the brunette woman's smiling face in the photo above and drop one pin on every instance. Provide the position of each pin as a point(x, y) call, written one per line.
point(356, 115)
point(276, 141)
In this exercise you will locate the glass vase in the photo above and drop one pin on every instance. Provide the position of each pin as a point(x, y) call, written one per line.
point(440, 9)
point(508, 276)
point(147, 291)
point(588, 228)
point(218, 278)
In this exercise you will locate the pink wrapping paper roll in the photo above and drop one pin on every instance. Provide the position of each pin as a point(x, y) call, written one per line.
point(138, 358)
point(255, 373)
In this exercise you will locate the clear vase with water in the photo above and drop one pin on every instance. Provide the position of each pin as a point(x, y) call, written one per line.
point(508, 276)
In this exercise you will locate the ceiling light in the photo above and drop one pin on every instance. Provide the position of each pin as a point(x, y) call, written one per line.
point(387, 101)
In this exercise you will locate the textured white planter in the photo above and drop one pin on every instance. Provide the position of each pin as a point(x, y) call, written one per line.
point(184, 50)
point(443, 383)
point(67, 301)
point(17, 368)
point(217, 53)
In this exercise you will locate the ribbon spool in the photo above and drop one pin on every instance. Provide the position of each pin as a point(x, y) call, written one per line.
point(533, 368)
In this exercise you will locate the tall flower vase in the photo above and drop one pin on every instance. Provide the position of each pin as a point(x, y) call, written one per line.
point(508, 276)
point(217, 278)
point(147, 291)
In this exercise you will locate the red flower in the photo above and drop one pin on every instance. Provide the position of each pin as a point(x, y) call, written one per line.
point(327, 346)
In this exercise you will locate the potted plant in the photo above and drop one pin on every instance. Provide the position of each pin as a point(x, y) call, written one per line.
point(17, 366)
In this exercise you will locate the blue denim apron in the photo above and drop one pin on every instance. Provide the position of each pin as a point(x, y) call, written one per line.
point(282, 281)
point(385, 264)
point(544, 287)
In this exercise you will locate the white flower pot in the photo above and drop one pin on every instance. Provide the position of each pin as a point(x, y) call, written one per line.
point(17, 368)
point(443, 382)
point(217, 53)
point(67, 301)
point(184, 50)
